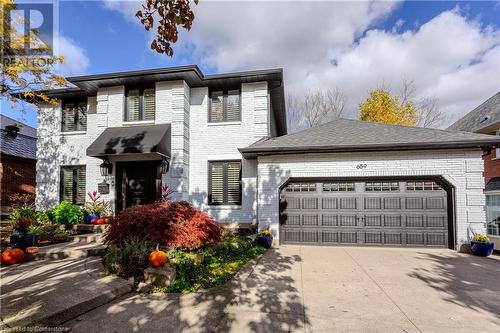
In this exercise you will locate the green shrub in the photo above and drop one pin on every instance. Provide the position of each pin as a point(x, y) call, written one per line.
point(212, 265)
point(128, 260)
point(68, 214)
point(52, 233)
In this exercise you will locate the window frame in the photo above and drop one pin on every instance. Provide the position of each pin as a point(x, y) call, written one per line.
point(76, 118)
point(382, 186)
point(225, 190)
point(74, 168)
point(225, 94)
point(141, 103)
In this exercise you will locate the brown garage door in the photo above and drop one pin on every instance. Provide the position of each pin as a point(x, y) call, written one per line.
point(386, 213)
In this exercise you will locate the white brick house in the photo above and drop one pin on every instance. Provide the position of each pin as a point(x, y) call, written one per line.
point(346, 182)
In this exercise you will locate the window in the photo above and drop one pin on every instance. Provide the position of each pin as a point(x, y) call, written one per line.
point(422, 186)
point(338, 187)
point(74, 116)
point(497, 150)
point(493, 214)
point(224, 183)
point(224, 106)
point(381, 186)
point(73, 184)
point(140, 105)
point(301, 187)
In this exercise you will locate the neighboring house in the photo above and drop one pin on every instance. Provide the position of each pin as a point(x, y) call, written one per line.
point(485, 119)
point(17, 161)
point(224, 139)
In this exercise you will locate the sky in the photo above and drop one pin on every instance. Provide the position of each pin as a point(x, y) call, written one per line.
point(449, 49)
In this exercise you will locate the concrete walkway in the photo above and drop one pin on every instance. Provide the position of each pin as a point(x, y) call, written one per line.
point(49, 292)
point(321, 289)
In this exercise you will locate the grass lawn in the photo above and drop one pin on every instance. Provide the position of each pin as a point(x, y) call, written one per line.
point(213, 265)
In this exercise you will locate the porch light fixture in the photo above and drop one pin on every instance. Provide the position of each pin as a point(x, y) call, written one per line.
point(106, 168)
point(163, 166)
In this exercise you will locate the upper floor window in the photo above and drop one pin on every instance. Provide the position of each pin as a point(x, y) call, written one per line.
point(224, 106)
point(74, 116)
point(140, 104)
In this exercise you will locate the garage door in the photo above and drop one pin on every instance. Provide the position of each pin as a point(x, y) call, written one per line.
point(384, 213)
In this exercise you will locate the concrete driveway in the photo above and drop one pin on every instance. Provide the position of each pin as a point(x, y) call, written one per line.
point(325, 289)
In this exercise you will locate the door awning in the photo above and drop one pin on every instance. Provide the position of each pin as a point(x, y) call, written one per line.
point(132, 140)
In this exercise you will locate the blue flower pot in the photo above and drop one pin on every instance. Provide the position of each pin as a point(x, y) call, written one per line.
point(87, 219)
point(482, 249)
point(265, 241)
point(23, 240)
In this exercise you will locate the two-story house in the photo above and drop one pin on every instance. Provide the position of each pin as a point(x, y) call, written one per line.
point(220, 142)
point(485, 119)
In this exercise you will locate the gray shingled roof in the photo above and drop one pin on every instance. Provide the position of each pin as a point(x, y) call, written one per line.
point(345, 135)
point(22, 145)
point(486, 114)
point(493, 185)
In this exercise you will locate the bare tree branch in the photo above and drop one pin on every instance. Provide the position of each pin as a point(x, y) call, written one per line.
point(315, 107)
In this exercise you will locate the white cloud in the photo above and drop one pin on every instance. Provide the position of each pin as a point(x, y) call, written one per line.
point(76, 60)
point(326, 44)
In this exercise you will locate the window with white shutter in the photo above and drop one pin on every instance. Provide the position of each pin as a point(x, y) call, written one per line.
point(73, 180)
point(224, 183)
point(225, 106)
point(74, 116)
point(140, 104)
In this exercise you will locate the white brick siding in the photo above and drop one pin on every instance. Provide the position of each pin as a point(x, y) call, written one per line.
point(220, 141)
point(462, 168)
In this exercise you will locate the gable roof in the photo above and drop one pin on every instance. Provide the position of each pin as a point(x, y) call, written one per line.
point(21, 145)
point(346, 135)
point(481, 118)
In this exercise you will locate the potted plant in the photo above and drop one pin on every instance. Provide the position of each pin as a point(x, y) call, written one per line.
point(265, 238)
point(24, 225)
point(91, 210)
point(481, 246)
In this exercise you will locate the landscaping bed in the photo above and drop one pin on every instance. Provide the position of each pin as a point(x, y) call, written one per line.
point(202, 253)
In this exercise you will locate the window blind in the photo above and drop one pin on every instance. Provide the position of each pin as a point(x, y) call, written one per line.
point(225, 182)
point(149, 104)
point(217, 106)
point(73, 180)
point(233, 106)
point(133, 101)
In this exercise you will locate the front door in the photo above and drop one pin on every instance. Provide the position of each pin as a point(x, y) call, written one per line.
point(136, 183)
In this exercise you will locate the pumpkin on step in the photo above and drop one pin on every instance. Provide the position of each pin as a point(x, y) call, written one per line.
point(12, 256)
point(158, 258)
point(98, 222)
point(32, 249)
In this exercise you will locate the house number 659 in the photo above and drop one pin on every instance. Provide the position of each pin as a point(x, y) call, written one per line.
point(361, 166)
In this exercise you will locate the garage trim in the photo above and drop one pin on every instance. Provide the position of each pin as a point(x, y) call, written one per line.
point(440, 180)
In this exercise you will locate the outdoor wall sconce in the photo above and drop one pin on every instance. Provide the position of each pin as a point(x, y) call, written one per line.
point(106, 168)
point(163, 167)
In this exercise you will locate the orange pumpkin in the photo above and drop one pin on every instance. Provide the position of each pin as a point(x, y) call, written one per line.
point(12, 256)
point(32, 249)
point(158, 258)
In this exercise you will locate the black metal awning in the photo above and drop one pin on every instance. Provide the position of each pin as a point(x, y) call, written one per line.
point(132, 140)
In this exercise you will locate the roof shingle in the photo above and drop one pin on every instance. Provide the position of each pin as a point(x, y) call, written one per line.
point(483, 116)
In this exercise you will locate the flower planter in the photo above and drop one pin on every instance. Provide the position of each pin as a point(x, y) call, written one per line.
point(482, 249)
point(23, 240)
point(88, 218)
point(265, 241)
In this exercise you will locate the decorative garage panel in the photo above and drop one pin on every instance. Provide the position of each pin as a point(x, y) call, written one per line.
point(398, 215)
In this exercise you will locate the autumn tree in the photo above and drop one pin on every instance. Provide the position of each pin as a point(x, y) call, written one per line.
point(25, 75)
point(315, 107)
point(167, 15)
point(382, 107)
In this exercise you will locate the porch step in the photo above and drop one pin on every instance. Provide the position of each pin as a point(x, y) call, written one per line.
point(68, 250)
point(90, 228)
point(87, 238)
point(51, 293)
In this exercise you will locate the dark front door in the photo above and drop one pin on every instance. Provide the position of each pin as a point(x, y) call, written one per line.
point(136, 183)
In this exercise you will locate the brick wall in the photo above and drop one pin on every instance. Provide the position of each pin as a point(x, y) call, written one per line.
point(491, 166)
point(17, 176)
point(462, 168)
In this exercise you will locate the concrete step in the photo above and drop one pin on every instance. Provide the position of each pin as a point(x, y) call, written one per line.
point(47, 294)
point(87, 238)
point(68, 250)
point(90, 228)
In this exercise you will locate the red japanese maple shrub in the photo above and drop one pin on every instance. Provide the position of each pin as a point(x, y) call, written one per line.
point(172, 224)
